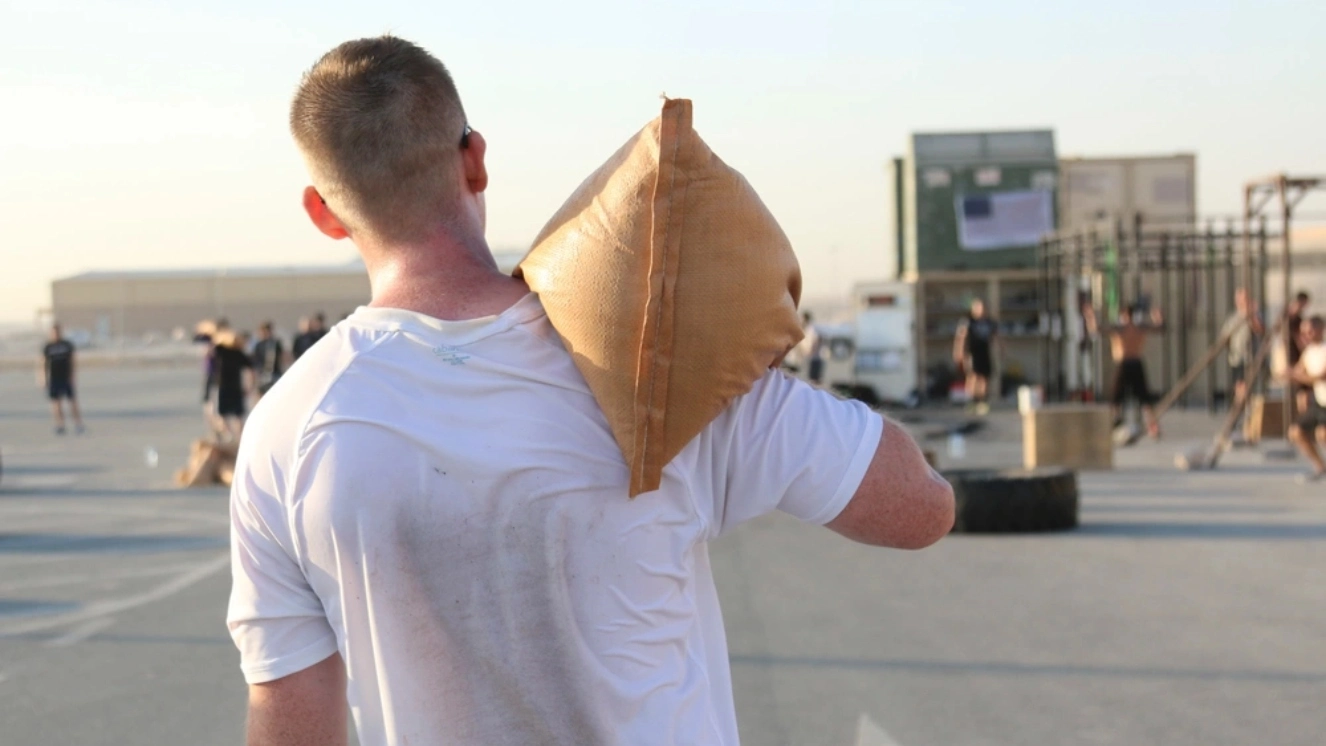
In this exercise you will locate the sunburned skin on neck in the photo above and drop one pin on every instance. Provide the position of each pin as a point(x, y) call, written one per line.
point(448, 281)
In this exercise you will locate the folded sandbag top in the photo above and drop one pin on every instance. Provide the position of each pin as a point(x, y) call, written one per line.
point(671, 285)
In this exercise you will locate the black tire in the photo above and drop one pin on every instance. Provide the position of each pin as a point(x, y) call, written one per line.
point(1014, 500)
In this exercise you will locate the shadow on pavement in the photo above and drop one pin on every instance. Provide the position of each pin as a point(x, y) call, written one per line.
point(1210, 530)
point(22, 608)
point(114, 638)
point(136, 414)
point(95, 492)
point(43, 543)
point(1169, 507)
point(1000, 668)
point(18, 470)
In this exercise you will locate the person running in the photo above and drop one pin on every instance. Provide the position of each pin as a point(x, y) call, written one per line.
point(1310, 373)
point(305, 338)
point(58, 379)
point(448, 542)
point(234, 379)
point(1127, 346)
point(1243, 327)
point(974, 349)
point(268, 358)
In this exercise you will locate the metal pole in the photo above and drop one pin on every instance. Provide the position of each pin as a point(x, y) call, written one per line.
point(1210, 311)
point(1231, 282)
point(1166, 308)
point(1186, 316)
point(1137, 257)
point(1262, 264)
point(1043, 304)
point(1247, 239)
point(1084, 344)
point(1286, 269)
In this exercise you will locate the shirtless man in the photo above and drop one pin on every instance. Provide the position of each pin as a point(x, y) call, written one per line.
point(1127, 341)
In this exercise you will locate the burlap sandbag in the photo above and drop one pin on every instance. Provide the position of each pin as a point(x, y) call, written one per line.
point(671, 285)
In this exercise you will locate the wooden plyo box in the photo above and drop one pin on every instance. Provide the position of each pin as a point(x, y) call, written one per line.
point(1265, 418)
point(1077, 436)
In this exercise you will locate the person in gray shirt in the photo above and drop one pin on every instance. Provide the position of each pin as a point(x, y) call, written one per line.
point(1242, 327)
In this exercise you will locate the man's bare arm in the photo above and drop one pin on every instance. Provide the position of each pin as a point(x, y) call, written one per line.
point(307, 708)
point(1299, 373)
point(902, 502)
point(1157, 321)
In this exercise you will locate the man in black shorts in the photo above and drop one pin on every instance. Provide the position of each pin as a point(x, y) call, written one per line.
point(58, 379)
point(1127, 348)
point(1310, 373)
point(234, 379)
point(974, 348)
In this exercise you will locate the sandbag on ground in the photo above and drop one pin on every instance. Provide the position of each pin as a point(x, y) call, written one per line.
point(672, 286)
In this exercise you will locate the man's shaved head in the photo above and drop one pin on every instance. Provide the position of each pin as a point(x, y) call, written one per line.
point(380, 125)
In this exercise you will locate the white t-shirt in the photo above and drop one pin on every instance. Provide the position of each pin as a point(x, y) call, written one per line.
point(444, 504)
point(1314, 364)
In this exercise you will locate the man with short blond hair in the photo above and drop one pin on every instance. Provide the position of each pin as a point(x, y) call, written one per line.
point(395, 185)
point(431, 519)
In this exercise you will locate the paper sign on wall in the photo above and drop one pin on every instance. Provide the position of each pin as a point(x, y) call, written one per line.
point(1004, 220)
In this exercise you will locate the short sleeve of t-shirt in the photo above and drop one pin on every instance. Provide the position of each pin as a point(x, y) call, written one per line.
point(276, 620)
point(795, 448)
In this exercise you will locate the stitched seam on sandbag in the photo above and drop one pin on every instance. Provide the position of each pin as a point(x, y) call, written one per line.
point(658, 313)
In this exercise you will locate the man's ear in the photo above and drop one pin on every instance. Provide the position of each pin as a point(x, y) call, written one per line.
point(476, 173)
point(322, 216)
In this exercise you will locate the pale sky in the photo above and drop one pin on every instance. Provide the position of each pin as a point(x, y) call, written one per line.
point(138, 134)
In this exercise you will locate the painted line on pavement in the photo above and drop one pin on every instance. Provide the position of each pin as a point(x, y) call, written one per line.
point(76, 578)
point(106, 608)
point(870, 733)
point(80, 633)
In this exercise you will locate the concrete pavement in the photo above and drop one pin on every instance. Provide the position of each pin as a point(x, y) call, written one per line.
point(1188, 609)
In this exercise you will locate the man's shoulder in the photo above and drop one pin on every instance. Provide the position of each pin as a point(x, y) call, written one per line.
point(305, 387)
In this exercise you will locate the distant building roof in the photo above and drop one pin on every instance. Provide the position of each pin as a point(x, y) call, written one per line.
point(506, 261)
point(354, 267)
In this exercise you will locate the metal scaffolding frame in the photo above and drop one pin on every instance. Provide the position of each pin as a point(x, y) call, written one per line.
point(1187, 271)
point(1110, 264)
point(1288, 191)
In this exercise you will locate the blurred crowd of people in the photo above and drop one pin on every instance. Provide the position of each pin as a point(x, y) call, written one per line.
point(239, 368)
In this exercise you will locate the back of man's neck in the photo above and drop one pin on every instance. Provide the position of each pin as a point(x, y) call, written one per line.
point(452, 284)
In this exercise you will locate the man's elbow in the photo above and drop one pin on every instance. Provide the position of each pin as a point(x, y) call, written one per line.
point(933, 517)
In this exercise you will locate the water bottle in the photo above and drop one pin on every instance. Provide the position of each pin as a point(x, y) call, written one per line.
point(957, 446)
